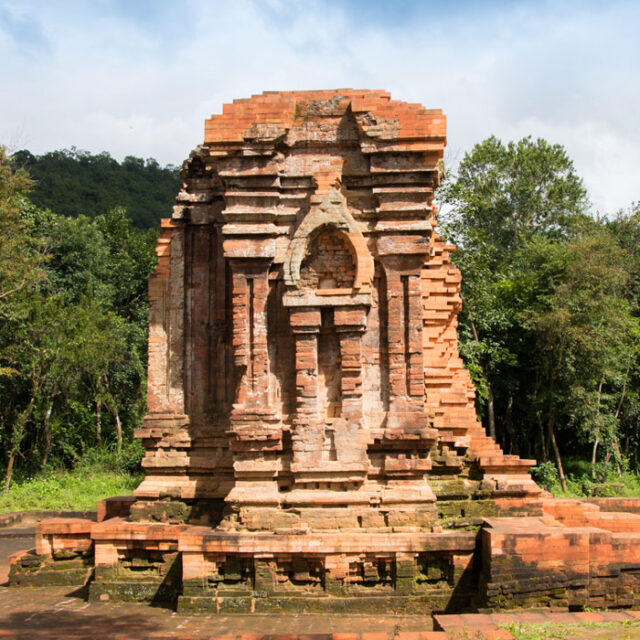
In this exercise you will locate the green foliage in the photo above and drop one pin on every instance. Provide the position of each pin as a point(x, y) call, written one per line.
point(502, 195)
point(127, 460)
point(19, 256)
point(549, 327)
point(546, 474)
point(578, 327)
point(74, 182)
point(73, 330)
point(585, 480)
point(501, 198)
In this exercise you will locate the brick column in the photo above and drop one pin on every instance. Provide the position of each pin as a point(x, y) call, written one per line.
point(404, 331)
point(308, 433)
point(255, 425)
point(306, 326)
point(350, 323)
point(250, 288)
point(165, 389)
point(414, 350)
point(396, 337)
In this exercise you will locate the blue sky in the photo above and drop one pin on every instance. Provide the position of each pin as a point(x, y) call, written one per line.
point(139, 76)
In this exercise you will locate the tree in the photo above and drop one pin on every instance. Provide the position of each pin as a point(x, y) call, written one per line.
point(550, 317)
point(575, 334)
point(20, 273)
point(19, 256)
point(500, 197)
point(625, 227)
point(73, 317)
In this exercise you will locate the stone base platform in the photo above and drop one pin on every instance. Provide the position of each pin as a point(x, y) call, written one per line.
point(136, 562)
point(347, 571)
point(571, 553)
point(575, 556)
point(63, 555)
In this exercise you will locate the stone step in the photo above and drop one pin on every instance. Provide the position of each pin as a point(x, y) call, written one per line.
point(503, 463)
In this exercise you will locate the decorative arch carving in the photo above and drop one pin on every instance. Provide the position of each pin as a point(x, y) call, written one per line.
point(332, 213)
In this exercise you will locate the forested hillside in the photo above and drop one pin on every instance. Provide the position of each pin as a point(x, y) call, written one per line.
point(74, 183)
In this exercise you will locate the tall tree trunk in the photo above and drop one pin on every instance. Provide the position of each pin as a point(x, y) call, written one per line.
point(594, 452)
point(616, 448)
point(9, 473)
point(491, 411)
point(554, 444)
point(118, 430)
point(47, 435)
point(98, 424)
point(618, 410)
point(624, 388)
point(16, 440)
point(514, 445)
point(543, 437)
point(551, 431)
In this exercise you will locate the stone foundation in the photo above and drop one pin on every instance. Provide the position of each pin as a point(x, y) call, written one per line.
point(63, 555)
point(552, 553)
point(574, 556)
point(326, 572)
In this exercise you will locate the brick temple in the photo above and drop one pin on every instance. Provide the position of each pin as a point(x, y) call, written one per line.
point(311, 440)
point(303, 353)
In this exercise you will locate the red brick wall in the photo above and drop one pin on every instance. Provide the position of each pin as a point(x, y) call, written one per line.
point(329, 263)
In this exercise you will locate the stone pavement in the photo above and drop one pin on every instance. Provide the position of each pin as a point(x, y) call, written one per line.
point(548, 623)
point(51, 613)
point(55, 612)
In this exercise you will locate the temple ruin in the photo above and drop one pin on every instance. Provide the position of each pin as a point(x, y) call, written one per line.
point(311, 438)
point(303, 352)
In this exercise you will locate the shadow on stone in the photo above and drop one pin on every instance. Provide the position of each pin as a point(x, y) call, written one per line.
point(466, 596)
point(82, 592)
point(71, 624)
point(170, 588)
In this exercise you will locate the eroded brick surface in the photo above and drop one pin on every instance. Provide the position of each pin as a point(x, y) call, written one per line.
point(303, 353)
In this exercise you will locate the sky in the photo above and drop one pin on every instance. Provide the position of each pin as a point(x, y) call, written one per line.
point(139, 77)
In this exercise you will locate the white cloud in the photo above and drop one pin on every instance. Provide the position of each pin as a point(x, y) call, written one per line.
point(140, 78)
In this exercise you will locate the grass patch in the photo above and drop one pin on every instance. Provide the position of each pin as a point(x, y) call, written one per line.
point(98, 475)
point(623, 630)
point(78, 489)
point(583, 482)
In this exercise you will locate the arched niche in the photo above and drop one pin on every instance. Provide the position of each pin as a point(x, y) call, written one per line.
point(333, 220)
point(330, 261)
